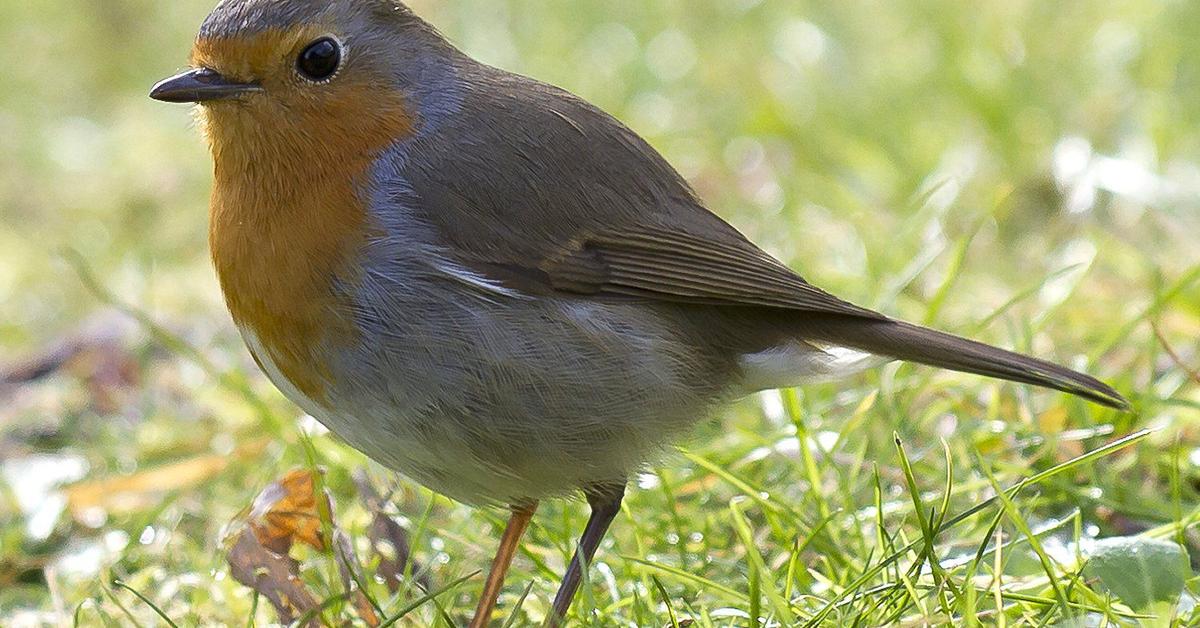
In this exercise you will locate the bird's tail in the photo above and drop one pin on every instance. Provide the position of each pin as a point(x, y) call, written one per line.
point(912, 343)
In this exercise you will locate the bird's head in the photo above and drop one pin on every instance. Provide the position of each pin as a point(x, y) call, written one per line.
point(318, 76)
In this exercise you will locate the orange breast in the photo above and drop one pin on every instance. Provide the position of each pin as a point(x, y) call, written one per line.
point(288, 218)
point(278, 263)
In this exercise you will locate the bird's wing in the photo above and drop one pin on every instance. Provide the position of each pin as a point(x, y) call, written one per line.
point(674, 265)
point(540, 191)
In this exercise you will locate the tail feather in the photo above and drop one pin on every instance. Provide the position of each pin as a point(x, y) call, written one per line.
point(912, 343)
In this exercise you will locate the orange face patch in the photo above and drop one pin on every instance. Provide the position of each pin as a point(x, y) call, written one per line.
point(287, 216)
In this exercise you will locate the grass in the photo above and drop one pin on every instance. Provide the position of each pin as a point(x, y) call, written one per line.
point(1022, 172)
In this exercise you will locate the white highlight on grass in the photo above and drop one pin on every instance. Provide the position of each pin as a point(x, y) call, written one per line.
point(771, 403)
point(34, 481)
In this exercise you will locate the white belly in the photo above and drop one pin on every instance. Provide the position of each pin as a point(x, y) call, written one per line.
point(285, 386)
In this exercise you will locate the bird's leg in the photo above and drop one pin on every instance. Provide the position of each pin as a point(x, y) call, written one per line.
point(605, 502)
point(517, 524)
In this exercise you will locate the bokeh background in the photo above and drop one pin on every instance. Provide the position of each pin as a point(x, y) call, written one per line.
point(1026, 172)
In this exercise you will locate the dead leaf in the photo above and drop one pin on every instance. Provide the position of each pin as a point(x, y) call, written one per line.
point(111, 374)
point(49, 360)
point(130, 493)
point(97, 353)
point(389, 540)
point(286, 511)
point(352, 574)
point(274, 576)
point(702, 484)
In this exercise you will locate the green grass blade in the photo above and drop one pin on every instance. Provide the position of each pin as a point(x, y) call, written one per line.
point(145, 600)
point(432, 595)
point(758, 568)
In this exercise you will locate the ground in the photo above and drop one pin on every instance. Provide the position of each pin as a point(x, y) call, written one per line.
point(1022, 172)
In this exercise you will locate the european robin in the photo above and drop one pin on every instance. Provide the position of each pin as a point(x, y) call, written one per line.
point(486, 283)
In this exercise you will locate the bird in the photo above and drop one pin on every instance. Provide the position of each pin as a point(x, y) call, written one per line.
point(485, 282)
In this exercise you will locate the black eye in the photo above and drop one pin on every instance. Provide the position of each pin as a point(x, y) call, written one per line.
point(320, 60)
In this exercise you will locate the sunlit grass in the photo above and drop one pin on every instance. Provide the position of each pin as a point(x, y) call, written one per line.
point(1022, 172)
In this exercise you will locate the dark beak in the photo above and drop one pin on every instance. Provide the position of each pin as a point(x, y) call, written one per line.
point(201, 85)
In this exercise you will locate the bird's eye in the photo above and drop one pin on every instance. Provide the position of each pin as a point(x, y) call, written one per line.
point(320, 60)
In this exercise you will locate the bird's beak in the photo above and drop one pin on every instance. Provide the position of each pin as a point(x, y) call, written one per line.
point(202, 85)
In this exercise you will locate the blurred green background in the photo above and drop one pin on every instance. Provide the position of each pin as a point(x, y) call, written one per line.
point(1027, 172)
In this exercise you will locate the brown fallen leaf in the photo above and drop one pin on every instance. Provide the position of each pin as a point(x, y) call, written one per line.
point(389, 540)
point(99, 354)
point(34, 367)
point(111, 374)
point(130, 493)
point(698, 485)
point(105, 330)
point(352, 575)
point(286, 511)
point(274, 576)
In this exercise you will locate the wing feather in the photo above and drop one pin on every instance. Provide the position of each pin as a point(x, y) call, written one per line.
point(678, 266)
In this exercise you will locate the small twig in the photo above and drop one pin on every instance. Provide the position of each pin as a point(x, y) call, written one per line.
point(1175, 357)
point(38, 366)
